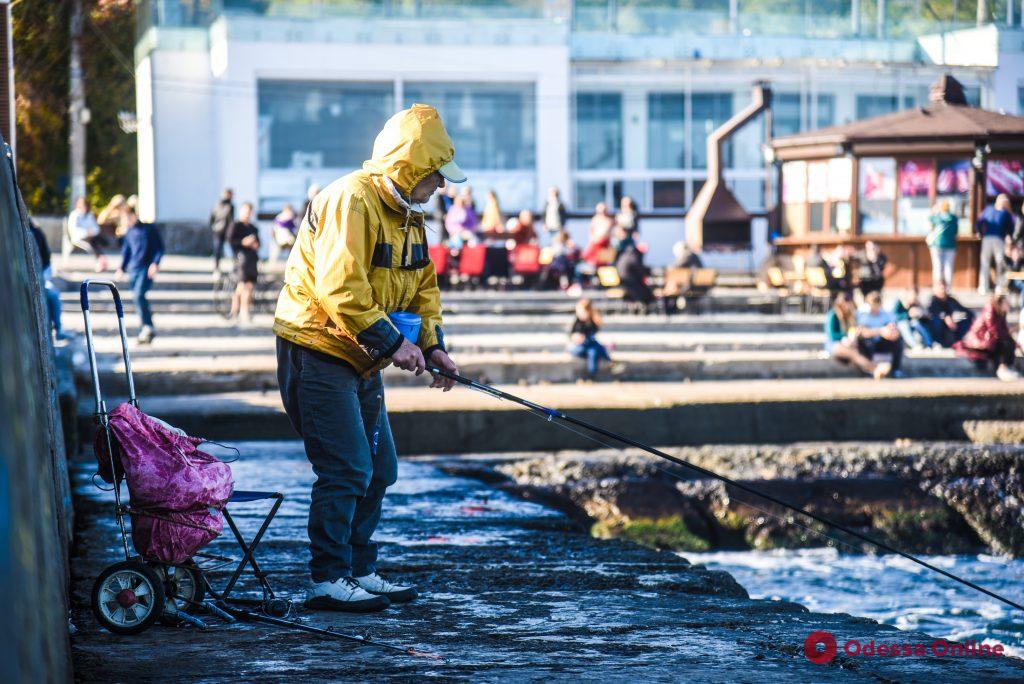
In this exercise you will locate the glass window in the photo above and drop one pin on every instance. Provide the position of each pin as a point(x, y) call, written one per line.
point(320, 125)
point(877, 191)
point(915, 184)
point(710, 110)
point(786, 113)
point(826, 110)
point(491, 124)
point(669, 194)
point(1005, 177)
point(588, 194)
point(598, 130)
point(794, 198)
point(877, 105)
point(953, 185)
point(666, 132)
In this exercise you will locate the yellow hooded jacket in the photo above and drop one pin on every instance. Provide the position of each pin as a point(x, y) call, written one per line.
point(361, 253)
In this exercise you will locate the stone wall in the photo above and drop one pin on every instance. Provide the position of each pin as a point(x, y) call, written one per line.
point(35, 513)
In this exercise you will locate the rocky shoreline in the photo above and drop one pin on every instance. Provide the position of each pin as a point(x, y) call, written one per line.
point(935, 498)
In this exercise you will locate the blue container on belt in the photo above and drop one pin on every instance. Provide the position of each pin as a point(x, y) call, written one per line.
point(408, 323)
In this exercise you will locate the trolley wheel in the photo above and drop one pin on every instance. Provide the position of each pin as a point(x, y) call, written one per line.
point(183, 588)
point(127, 597)
point(277, 607)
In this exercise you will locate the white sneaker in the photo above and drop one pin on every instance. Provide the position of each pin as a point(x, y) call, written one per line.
point(344, 594)
point(1007, 374)
point(377, 585)
point(883, 370)
point(146, 335)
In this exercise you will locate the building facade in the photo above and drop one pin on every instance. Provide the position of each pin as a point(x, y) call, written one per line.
point(600, 98)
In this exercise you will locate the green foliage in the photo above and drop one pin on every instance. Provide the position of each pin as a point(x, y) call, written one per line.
point(664, 533)
point(41, 55)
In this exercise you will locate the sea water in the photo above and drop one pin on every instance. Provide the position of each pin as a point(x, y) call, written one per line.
point(888, 588)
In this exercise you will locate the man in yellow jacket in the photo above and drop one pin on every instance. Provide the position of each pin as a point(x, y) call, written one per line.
point(360, 255)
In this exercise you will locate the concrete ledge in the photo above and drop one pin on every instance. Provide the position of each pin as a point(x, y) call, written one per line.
point(667, 414)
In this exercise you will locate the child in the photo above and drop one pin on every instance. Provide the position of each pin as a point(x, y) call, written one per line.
point(141, 252)
point(583, 337)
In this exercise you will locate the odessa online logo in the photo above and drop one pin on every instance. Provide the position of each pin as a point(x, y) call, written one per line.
point(821, 648)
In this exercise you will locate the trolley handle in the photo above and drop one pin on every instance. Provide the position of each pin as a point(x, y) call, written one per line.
point(109, 284)
point(101, 408)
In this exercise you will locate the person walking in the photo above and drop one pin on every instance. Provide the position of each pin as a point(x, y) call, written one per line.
point(221, 217)
point(942, 242)
point(555, 214)
point(360, 258)
point(141, 252)
point(244, 239)
point(995, 227)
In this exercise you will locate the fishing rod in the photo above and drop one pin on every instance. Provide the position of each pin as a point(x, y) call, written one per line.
point(563, 420)
point(291, 624)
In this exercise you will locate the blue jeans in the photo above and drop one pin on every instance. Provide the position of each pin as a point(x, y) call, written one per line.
point(343, 423)
point(53, 305)
point(593, 351)
point(914, 333)
point(141, 283)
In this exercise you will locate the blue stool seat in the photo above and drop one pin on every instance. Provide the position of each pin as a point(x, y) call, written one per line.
point(243, 496)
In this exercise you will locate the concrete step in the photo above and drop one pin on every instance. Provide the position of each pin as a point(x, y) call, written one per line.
point(475, 343)
point(663, 414)
point(200, 324)
point(211, 374)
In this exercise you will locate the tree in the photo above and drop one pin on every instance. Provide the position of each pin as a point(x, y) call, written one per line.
point(41, 86)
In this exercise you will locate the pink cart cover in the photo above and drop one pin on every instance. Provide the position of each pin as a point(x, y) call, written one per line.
point(177, 490)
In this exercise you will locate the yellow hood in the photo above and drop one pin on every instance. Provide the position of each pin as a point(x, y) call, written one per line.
point(412, 144)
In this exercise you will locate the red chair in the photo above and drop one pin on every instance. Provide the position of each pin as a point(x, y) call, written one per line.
point(526, 259)
point(472, 260)
point(439, 255)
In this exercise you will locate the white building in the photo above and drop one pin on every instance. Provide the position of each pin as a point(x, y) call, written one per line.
point(598, 97)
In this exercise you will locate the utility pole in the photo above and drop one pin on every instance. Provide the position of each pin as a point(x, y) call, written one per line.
point(77, 110)
point(982, 12)
point(7, 127)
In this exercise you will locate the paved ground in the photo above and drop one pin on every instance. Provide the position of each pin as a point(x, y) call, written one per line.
point(512, 592)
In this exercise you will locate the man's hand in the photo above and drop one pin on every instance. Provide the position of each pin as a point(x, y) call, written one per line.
point(440, 359)
point(153, 270)
point(409, 357)
point(119, 275)
point(950, 323)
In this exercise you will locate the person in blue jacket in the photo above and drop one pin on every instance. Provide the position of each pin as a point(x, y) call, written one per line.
point(141, 252)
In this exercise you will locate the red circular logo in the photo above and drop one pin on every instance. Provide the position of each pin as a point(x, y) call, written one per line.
point(817, 655)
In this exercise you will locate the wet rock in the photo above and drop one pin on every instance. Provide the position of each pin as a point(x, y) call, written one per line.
point(920, 497)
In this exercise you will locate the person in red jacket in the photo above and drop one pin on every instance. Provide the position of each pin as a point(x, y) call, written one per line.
point(989, 341)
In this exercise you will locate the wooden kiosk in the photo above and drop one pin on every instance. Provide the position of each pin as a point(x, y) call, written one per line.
point(878, 179)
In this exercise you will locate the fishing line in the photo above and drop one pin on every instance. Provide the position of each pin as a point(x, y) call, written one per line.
point(554, 416)
point(732, 495)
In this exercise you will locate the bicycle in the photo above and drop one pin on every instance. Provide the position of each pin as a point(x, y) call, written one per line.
point(224, 285)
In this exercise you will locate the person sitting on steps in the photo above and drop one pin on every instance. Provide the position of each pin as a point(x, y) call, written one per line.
point(877, 334)
point(583, 338)
point(841, 336)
